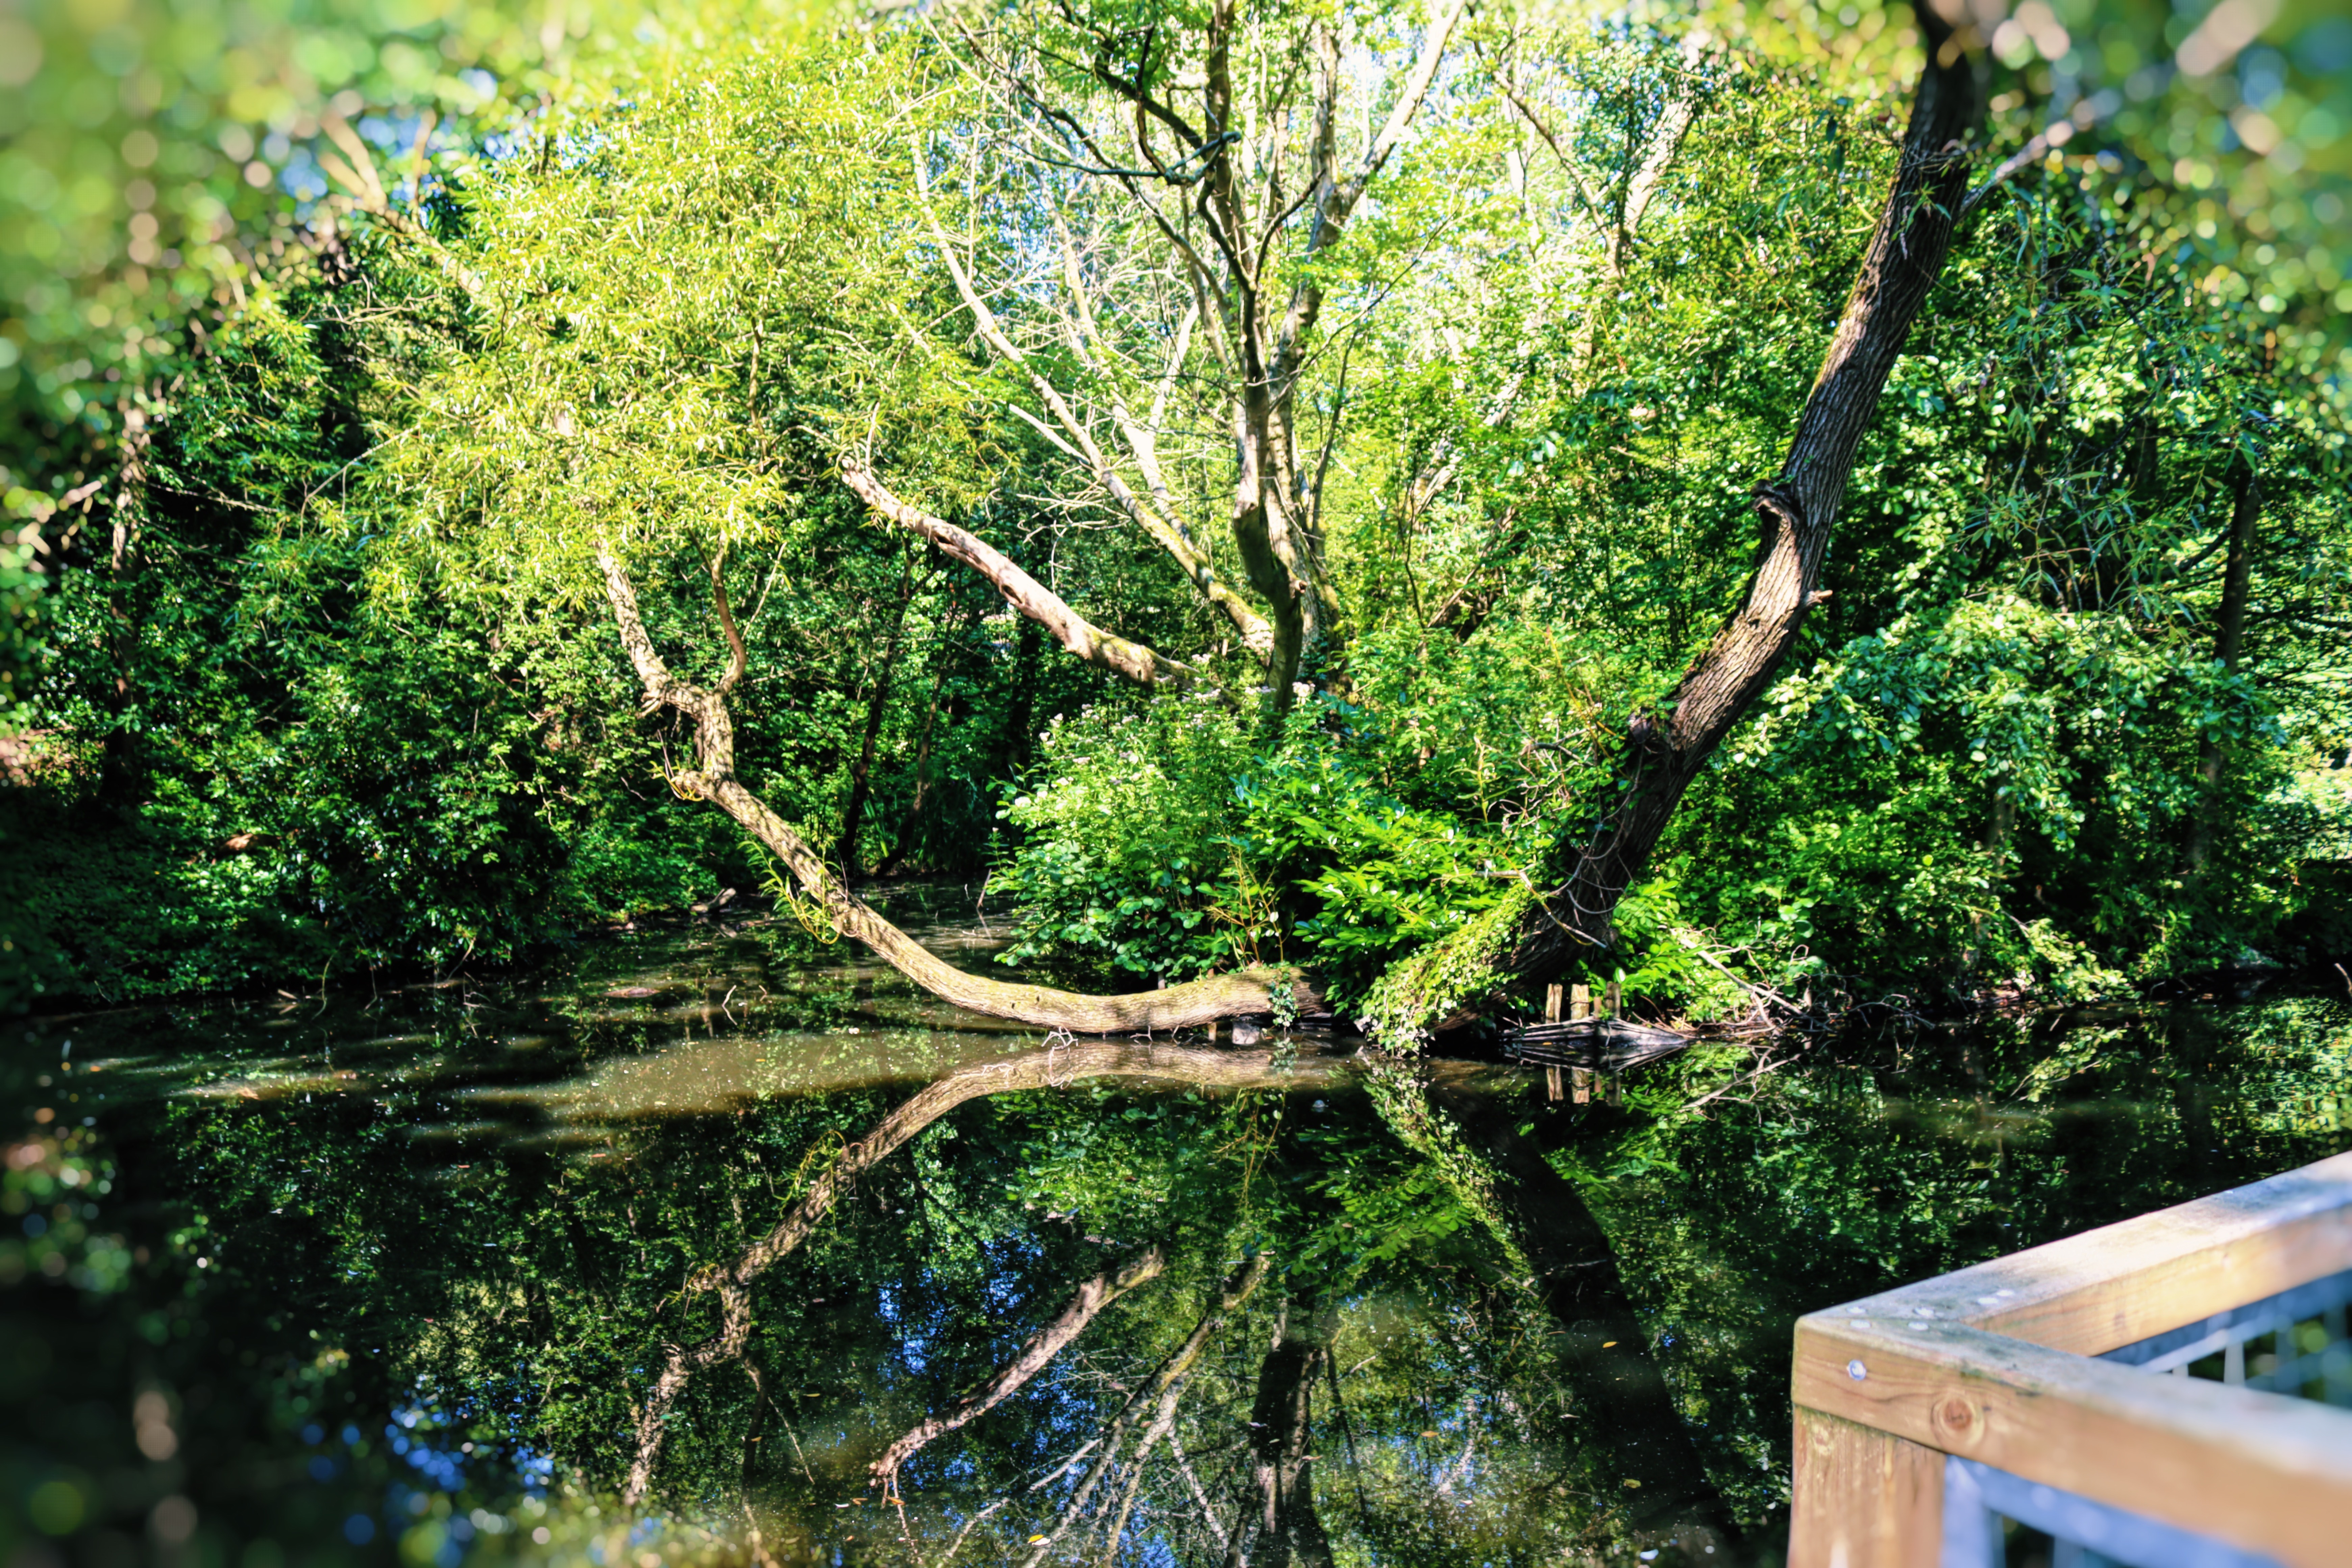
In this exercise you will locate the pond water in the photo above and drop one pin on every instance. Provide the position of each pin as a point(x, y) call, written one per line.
point(719, 1245)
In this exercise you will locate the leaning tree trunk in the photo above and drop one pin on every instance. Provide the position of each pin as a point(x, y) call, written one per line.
point(713, 778)
point(1664, 751)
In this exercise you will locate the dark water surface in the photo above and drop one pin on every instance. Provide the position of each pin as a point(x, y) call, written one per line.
point(429, 1277)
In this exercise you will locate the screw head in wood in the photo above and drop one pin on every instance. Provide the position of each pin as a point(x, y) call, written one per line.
point(1856, 1370)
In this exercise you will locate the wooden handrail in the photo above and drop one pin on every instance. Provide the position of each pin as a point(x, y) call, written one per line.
point(1993, 1364)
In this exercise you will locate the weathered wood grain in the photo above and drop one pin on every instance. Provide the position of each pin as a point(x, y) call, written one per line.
point(2261, 1470)
point(1865, 1499)
point(2126, 1282)
point(1994, 1362)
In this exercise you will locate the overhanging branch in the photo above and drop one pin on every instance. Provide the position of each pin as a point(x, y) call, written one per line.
point(1023, 592)
point(1189, 1006)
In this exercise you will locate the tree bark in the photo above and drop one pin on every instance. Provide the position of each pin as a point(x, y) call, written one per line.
point(1664, 751)
point(1184, 1007)
point(1023, 592)
point(2228, 639)
point(1034, 1357)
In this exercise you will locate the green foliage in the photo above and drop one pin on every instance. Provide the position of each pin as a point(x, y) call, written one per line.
point(1129, 860)
point(1461, 970)
point(1313, 861)
point(354, 628)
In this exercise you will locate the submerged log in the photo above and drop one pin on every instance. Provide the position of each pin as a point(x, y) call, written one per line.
point(1611, 1044)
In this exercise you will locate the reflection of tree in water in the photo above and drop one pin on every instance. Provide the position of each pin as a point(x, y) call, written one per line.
point(501, 1235)
point(1159, 1424)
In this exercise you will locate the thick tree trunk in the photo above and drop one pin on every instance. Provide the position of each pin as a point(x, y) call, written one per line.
point(2228, 639)
point(1184, 1007)
point(1664, 751)
point(1035, 1356)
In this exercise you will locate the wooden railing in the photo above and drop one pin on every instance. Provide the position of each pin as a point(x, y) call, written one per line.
point(1924, 1413)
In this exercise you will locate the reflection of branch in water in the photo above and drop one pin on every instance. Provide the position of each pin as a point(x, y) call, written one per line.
point(1043, 1346)
point(1460, 1469)
point(1035, 1069)
point(1067, 1466)
point(1184, 1469)
point(1348, 1432)
point(1167, 1383)
point(957, 1544)
point(761, 1556)
point(1163, 1422)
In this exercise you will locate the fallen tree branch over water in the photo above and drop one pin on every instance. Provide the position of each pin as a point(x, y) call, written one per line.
point(1186, 1006)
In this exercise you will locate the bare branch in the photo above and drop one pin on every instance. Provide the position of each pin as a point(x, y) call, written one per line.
point(1416, 88)
point(739, 657)
point(1199, 568)
point(1023, 592)
point(2023, 158)
point(1665, 143)
point(1336, 198)
point(1592, 203)
point(1188, 1006)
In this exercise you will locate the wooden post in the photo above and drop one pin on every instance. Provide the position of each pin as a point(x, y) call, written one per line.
point(1612, 1002)
point(1551, 1016)
point(1579, 1006)
point(1864, 1499)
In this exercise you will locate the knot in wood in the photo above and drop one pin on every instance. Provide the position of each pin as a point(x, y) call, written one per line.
point(1647, 734)
point(1955, 1418)
point(1776, 504)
